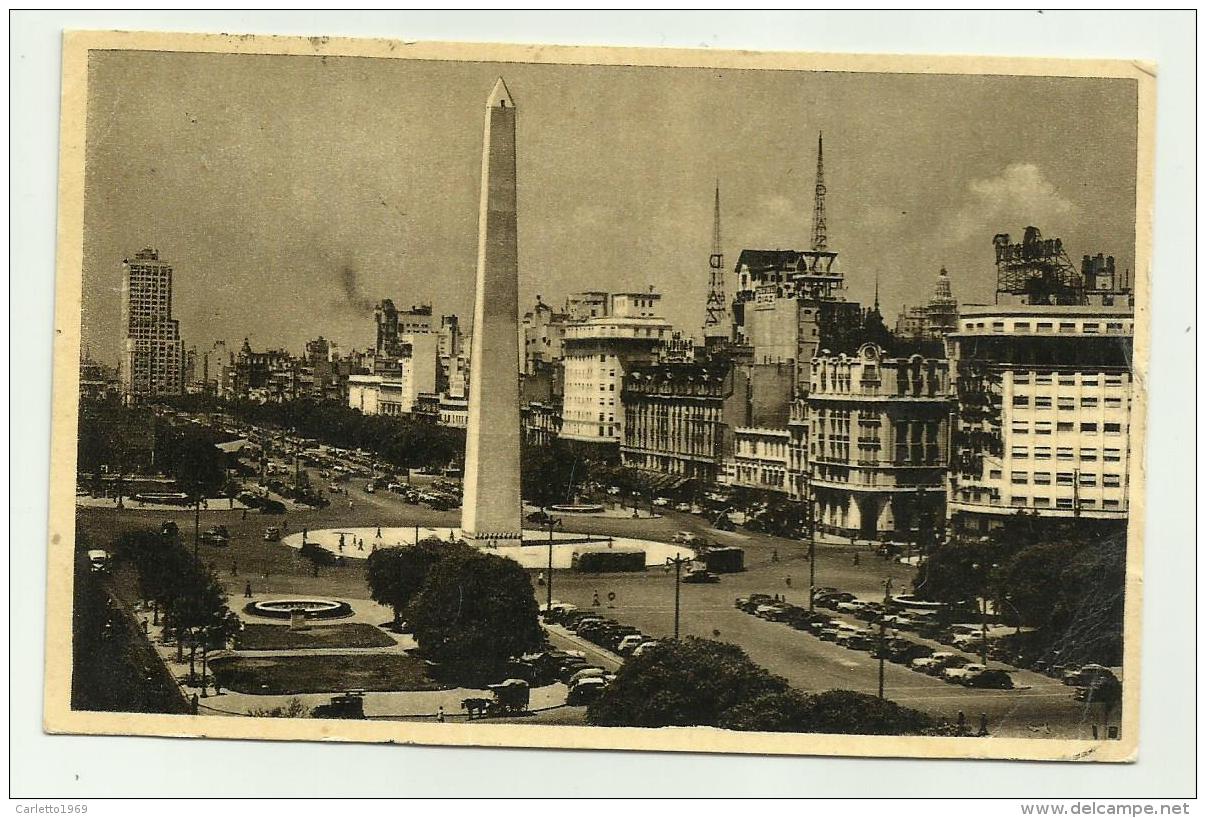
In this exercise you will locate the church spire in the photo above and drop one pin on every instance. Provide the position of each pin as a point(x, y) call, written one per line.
point(716, 316)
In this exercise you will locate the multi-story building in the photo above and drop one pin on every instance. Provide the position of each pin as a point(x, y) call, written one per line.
point(151, 361)
point(1043, 411)
point(543, 335)
point(393, 324)
point(397, 381)
point(877, 442)
point(679, 418)
point(760, 459)
point(624, 332)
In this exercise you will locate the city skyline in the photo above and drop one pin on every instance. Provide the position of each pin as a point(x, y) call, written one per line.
point(336, 219)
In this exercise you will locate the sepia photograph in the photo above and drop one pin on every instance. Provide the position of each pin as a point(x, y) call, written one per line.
point(605, 398)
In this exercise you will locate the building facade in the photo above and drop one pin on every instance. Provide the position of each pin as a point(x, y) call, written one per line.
point(151, 359)
point(598, 352)
point(1043, 412)
point(760, 459)
point(878, 446)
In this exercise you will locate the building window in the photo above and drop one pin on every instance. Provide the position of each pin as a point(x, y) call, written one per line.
point(1065, 427)
point(998, 326)
point(1113, 402)
point(1042, 478)
point(1113, 428)
point(994, 474)
point(1112, 455)
point(1063, 502)
point(1019, 453)
point(1089, 428)
point(1064, 453)
point(1042, 428)
point(1091, 329)
point(1021, 378)
point(1020, 428)
point(1018, 501)
point(1042, 453)
point(1021, 400)
point(1042, 378)
point(1113, 380)
point(1111, 481)
point(1022, 326)
point(1111, 503)
point(1042, 502)
point(1067, 404)
point(1088, 380)
point(1018, 478)
point(1088, 479)
point(1088, 455)
point(1066, 326)
point(1065, 478)
point(1113, 327)
point(1088, 403)
point(1044, 326)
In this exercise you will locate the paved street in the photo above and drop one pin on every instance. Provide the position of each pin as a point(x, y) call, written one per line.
point(645, 600)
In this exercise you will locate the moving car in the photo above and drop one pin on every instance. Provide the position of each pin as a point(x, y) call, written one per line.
point(98, 560)
point(216, 535)
point(698, 575)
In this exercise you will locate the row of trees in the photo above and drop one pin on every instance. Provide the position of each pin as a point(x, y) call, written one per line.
point(700, 682)
point(404, 442)
point(188, 593)
point(1064, 577)
point(468, 609)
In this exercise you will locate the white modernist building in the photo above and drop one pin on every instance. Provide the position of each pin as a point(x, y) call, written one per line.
point(1043, 397)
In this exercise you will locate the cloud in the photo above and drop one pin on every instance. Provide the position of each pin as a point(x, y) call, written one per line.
point(1016, 197)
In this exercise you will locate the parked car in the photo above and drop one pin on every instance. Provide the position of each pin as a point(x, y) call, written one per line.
point(630, 643)
point(994, 679)
point(661, 502)
point(700, 575)
point(644, 647)
point(272, 507)
point(586, 691)
point(272, 534)
point(960, 674)
point(1089, 676)
point(832, 600)
point(682, 507)
point(685, 537)
point(588, 672)
point(941, 660)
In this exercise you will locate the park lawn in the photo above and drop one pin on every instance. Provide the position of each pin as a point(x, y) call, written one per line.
point(341, 635)
point(332, 673)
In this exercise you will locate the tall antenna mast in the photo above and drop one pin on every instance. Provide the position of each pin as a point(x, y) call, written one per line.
point(819, 237)
point(716, 317)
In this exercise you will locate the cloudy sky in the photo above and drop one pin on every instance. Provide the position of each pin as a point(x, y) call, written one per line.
point(293, 192)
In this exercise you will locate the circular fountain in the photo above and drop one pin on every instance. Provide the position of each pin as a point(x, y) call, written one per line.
point(309, 608)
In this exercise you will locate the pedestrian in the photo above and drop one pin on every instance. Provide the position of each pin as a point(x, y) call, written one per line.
point(144, 625)
point(775, 555)
point(961, 723)
point(234, 568)
point(595, 602)
point(360, 544)
point(247, 591)
point(540, 578)
point(244, 513)
point(341, 540)
point(983, 725)
point(193, 703)
point(855, 560)
point(378, 532)
point(305, 532)
point(265, 575)
point(440, 714)
point(788, 581)
point(350, 504)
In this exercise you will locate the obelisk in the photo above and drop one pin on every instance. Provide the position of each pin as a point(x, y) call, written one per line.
point(492, 506)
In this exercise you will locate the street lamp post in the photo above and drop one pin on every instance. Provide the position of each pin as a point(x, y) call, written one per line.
point(551, 523)
point(196, 526)
point(882, 652)
point(204, 662)
point(677, 561)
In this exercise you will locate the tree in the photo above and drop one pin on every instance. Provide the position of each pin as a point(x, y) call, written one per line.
point(689, 682)
point(475, 610)
point(787, 712)
point(845, 711)
point(396, 575)
point(198, 466)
